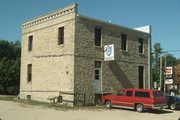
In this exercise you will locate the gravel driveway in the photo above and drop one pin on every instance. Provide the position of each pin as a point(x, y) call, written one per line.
point(18, 111)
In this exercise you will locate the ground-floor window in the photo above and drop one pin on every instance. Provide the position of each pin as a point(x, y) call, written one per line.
point(97, 75)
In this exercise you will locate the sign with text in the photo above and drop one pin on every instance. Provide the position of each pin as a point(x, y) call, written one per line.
point(109, 52)
point(169, 71)
point(169, 81)
point(168, 76)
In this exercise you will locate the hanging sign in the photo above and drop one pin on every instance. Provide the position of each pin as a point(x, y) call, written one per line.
point(109, 52)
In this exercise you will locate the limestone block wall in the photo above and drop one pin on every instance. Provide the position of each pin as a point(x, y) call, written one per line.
point(121, 73)
point(52, 64)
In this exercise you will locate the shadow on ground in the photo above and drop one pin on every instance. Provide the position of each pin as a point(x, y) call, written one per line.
point(148, 111)
point(160, 111)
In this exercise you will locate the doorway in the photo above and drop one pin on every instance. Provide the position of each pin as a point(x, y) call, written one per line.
point(141, 77)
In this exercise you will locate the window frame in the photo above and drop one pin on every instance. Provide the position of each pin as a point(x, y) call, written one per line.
point(141, 94)
point(61, 35)
point(30, 43)
point(140, 45)
point(97, 67)
point(98, 36)
point(29, 73)
point(124, 42)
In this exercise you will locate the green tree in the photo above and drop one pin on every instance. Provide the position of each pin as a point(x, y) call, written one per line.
point(9, 65)
point(157, 51)
point(167, 58)
point(178, 61)
point(171, 60)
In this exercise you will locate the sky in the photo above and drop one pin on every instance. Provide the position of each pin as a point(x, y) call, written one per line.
point(162, 15)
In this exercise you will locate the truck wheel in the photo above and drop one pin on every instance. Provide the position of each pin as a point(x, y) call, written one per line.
point(139, 108)
point(108, 104)
point(172, 106)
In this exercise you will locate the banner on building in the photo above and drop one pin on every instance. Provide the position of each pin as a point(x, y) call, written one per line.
point(109, 52)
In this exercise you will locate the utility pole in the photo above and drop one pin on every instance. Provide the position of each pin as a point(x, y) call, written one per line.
point(165, 75)
point(160, 76)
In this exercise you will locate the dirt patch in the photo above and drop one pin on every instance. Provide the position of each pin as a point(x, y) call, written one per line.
point(17, 111)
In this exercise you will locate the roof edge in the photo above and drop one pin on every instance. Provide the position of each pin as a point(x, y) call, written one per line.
point(86, 17)
point(66, 10)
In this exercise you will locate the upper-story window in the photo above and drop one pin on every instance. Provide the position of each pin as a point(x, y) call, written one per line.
point(140, 45)
point(60, 35)
point(123, 42)
point(30, 43)
point(97, 37)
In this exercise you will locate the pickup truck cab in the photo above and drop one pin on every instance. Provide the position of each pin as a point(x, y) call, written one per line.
point(138, 99)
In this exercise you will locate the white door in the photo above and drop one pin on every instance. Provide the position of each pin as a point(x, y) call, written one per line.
point(97, 81)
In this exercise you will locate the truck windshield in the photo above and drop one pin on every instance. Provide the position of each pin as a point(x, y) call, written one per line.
point(120, 93)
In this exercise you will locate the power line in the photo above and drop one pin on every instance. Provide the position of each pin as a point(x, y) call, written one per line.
point(170, 51)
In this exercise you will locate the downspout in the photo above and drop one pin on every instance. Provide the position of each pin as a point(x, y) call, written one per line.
point(149, 60)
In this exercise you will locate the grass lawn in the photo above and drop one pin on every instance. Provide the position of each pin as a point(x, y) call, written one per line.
point(7, 97)
point(49, 105)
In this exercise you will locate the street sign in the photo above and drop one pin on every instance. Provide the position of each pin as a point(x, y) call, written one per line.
point(169, 71)
point(109, 52)
point(169, 81)
point(155, 85)
point(169, 76)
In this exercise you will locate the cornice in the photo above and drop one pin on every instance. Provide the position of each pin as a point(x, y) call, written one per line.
point(51, 15)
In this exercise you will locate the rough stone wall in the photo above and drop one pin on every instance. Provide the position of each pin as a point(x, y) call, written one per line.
point(121, 73)
point(52, 64)
point(69, 68)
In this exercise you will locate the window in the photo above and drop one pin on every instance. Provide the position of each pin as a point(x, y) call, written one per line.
point(140, 45)
point(142, 94)
point(29, 73)
point(97, 37)
point(161, 94)
point(97, 70)
point(158, 94)
point(121, 93)
point(29, 97)
point(123, 42)
point(97, 76)
point(30, 41)
point(129, 93)
point(97, 64)
point(61, 36)
point(155, 94)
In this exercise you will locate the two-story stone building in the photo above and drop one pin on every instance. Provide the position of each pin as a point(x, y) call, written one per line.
point(63, 55)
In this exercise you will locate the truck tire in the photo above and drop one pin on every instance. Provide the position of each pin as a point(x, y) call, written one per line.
point(172, 106)
point(139, 108)
point(108, 104)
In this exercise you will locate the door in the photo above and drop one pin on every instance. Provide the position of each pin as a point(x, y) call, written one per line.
point(141, 76)
point(119, 99)
point(97, 80)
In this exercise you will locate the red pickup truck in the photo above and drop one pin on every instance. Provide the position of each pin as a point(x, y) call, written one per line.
point(138, 99)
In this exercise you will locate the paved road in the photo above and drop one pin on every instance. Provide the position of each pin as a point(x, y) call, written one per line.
point(18, 111)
